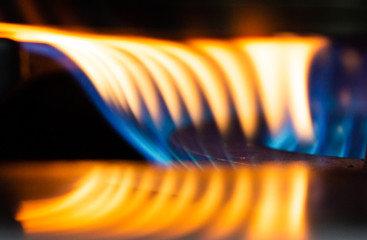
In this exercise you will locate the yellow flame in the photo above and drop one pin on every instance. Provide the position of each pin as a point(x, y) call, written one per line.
point(299, 57)
point(282, 72)
point(131, 72)
point(126, 201)
point(238, 79)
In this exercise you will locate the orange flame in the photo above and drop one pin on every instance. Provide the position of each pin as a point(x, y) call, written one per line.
point(125, 201)
point(282, 72)
point(128, 71)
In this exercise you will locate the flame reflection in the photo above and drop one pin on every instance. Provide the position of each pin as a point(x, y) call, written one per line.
point(148, 88)
point(129, 201)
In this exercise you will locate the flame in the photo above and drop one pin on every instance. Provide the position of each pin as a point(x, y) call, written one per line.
point(282, 73)
point(126, 201)
point(151, 81)
point(239, 80)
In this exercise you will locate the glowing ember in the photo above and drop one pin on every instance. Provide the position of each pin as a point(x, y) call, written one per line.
point(125, 201)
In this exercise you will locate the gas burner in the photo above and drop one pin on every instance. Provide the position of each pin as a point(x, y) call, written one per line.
point(207, 146)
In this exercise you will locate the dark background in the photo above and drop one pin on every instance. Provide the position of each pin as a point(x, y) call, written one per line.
point(181, 18)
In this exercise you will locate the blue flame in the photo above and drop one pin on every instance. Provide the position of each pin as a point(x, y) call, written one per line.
point(150, 147)
point(338, 103)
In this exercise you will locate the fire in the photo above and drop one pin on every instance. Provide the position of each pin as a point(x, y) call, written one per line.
point(238, 78)
point(282, 72)
point(127, 201)
point(152, 82)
